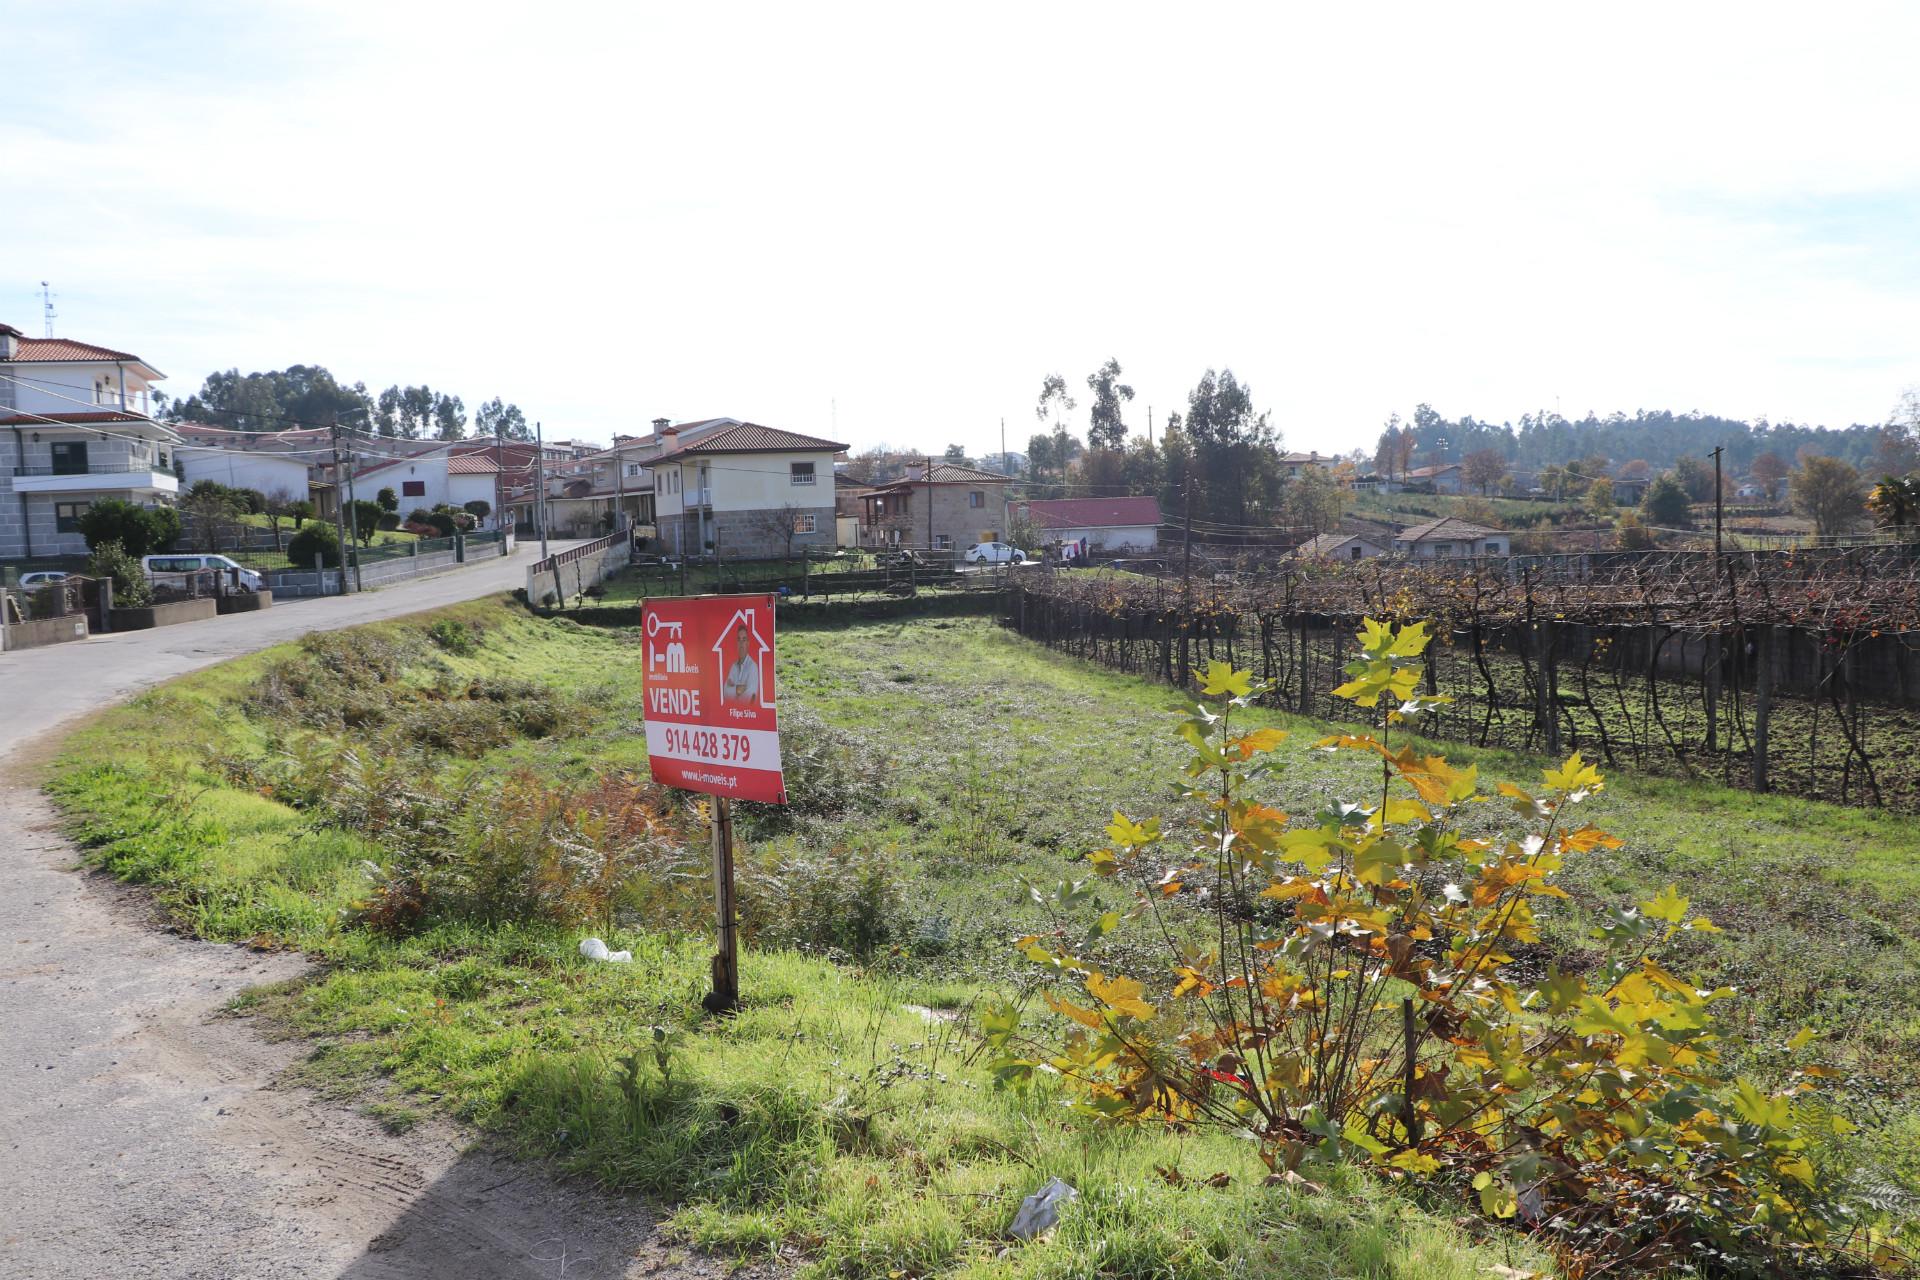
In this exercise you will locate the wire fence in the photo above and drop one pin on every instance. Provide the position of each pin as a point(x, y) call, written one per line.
point(1775, 672)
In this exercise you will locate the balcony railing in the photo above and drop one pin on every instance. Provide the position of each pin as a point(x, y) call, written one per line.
point(92, 469)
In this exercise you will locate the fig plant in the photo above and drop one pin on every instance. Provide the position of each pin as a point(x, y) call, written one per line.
point(1345, 986)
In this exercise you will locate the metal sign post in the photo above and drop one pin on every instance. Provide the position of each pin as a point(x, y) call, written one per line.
point(712, 726)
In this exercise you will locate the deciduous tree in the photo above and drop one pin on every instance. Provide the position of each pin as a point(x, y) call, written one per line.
point(1828, 492)
point(1484, 468)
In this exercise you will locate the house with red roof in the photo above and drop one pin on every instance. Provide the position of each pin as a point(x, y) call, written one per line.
point(442, 475)
point(76, 427)
point(1109, 525)
point(941, 505)
point(730, 488)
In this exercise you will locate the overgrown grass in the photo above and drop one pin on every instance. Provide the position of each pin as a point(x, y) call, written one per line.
point(831, 1116)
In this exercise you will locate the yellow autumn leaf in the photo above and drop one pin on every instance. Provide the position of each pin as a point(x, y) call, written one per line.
point(1222, 679)
point(1125, 831)
point(1666, 905)
point(1575, 775)
point(1411, 642)
point(1085, 1017)
point(1250, 744)
point(1122, 995)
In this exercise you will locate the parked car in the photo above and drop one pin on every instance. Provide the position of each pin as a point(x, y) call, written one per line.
point(161, 569)
point(995, 553)
point(41, 577)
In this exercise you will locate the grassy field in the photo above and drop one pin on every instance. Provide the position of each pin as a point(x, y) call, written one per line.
point(842, 1116)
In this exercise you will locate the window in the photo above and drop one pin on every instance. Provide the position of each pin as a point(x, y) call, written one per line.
point(1493, 548)
point(70, 457)
point(976, 499)
point(66, 515)
point(1443, 548)
point(803, 524)
point(942, 542)
point(802, 472)
point(1354, 552)
point(633, 468)
point(413, 488)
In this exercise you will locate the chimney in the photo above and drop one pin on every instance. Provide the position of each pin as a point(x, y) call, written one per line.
point(9, 341)
point(660, 426)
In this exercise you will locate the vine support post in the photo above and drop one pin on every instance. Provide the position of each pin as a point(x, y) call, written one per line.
point(1763, 643)
point(1410, 1036)
point(1545, 694)
point(1306, 667)
point(1710, 660)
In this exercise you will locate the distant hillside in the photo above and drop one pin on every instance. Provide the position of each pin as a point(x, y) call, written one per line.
point(1658, 437)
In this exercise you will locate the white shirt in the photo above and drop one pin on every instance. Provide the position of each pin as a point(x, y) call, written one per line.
point(743, 681)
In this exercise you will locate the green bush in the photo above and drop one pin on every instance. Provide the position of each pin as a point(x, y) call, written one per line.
point(389, 500)
point(140, 531)
point(836, 901)
point(131, 589)
point(366, 519)
point(314, 539)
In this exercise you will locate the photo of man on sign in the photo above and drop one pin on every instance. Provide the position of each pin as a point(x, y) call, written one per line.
point(743, 676)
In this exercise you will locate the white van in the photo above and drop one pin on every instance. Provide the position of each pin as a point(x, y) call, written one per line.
point(172, 569)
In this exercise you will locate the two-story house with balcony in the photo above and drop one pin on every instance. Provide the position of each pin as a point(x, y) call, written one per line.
point(75, 427)
point(722, 487)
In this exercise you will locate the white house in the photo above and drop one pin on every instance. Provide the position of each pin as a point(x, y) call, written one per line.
point(232, 459)
point(722, 487)
point(1450, 536)
point(74, 429)
point(1340, 546)
point(1444, 478)
point(430, 479)
point(1107, 524)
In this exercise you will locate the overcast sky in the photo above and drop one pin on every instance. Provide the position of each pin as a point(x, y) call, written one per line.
point(610, 213)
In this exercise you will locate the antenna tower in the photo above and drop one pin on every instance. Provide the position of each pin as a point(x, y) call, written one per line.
point(46, 306)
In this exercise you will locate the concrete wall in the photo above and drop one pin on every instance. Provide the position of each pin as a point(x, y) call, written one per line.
point(45, 631)
point(556, 584)
point(269, 473)
point(1141, 537)
point(744, 534)
point(165, 615)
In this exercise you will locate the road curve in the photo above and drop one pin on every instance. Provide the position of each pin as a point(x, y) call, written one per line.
point(142, 1134)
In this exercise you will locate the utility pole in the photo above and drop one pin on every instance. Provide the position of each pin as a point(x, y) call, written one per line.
point(339, 500)
point(1149, 426)
point(353, 521)
point(1717, 505)
point(540, 482)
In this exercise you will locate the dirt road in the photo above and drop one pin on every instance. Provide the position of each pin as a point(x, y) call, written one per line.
point(142, 1132)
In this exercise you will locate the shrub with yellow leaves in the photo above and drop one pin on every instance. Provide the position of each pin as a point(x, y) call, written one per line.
point(1344, 986)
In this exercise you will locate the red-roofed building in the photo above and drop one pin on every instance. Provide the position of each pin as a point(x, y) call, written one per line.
point(733, 488)
point(968, 506)
point(1106, 524)
point(75, 428)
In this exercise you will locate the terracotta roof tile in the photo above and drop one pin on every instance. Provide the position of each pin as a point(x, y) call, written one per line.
point(67, 349)
point(751, 437)
point(1445, 527)
point(1094, 513)
point(471, 464)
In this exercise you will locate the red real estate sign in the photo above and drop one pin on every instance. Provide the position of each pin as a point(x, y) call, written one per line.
point(709, 705)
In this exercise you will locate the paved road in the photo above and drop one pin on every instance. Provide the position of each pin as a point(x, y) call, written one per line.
point(143, 1134)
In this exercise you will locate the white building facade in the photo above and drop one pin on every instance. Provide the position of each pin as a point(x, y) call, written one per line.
point(74, 430)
